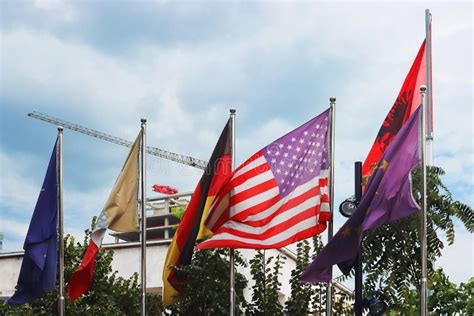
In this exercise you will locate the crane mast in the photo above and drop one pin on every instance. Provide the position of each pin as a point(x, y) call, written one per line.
point(186, 160)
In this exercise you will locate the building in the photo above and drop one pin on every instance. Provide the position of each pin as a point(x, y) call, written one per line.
point(161, 224)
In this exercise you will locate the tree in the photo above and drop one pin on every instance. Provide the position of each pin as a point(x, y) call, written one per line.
point(207, 284)
point(340, 306)
point(110, 294)
point(301, 293)
point(466, 296)
point(265, 290)
point(392, 252)
point(445, 297)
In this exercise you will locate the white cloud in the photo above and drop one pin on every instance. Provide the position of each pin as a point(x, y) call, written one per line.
point(186, 88)
point(58, 9)
point(16, 186)
point(457, 260)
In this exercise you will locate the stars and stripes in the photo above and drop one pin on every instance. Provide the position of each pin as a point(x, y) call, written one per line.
point(278, 196)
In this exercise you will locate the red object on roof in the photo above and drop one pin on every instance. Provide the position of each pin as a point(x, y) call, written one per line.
point(164, 189)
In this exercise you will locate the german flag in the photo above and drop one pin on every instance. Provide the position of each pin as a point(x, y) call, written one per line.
point(191, 227)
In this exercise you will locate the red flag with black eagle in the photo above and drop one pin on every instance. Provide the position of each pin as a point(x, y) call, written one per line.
point(191, 228)
point(406, 103)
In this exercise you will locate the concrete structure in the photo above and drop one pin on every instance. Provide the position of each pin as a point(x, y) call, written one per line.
point(161, 225)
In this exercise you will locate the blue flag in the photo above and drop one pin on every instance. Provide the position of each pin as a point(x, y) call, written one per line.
point(38, 269)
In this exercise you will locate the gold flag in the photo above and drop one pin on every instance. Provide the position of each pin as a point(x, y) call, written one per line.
point(121, 207)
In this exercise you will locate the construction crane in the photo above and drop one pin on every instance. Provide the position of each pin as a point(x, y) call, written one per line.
point(185, 160)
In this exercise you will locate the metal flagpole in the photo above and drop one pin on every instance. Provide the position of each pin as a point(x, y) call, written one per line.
point(231, 251)
point(332, 102)
point(358, 278)
point(429, 92)
point(59, 166)
point(143, 216)
point(424, 276)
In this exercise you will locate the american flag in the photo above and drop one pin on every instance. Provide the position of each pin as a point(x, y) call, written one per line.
point(278, 196)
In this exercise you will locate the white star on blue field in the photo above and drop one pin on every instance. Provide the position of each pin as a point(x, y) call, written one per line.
point(182, 65)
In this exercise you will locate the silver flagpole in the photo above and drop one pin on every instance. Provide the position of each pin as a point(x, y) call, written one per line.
point(59, 166)
point(143, 216)
point(424, 276)
point(231, 251)
point(429, 92)
point(332, 112)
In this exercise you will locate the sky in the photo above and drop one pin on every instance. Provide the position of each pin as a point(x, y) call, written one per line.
point(182, 65)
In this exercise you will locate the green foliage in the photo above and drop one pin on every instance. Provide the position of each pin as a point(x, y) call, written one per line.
point(318, 302)
point(298, 303)
point(207, 284)
point(341, 305)
point(392, 252)
point(445, 298)
point(178, 211)
point(265, 291)
point(466, 295)
point(110, 294)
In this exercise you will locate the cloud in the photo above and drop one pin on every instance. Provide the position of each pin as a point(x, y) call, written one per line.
point(105, 65)
point(16, 187)
point(463, 247)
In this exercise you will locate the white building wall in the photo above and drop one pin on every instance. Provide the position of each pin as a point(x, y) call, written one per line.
point(126, 261)
point(9, 271)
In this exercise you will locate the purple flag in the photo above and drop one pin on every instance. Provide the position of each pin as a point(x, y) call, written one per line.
point(387, 198)
point(38, 268)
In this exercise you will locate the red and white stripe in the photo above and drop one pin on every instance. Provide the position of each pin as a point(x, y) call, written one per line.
point(250, 213)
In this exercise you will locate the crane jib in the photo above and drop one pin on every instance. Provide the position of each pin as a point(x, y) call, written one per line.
point(185, 160)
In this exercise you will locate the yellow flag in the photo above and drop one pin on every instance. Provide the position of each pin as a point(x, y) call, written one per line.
point(121, 207)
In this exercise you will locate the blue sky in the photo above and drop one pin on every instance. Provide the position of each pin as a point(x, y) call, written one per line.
point(181, 65)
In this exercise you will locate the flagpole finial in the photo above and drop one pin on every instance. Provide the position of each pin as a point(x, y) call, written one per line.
point(423, 88)
point(232, 110)
point(332, 99)
point(60, 128)
point(143, 120)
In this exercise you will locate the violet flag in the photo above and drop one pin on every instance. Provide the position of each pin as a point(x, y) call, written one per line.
point(387, 198)
point(38, 268)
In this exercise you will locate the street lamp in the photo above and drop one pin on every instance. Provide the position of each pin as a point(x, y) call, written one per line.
point(348, 206)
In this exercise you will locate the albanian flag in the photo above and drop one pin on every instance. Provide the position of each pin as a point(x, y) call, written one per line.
point(406, 103)
point(191, 227)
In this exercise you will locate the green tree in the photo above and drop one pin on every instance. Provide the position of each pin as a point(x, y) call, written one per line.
point(444, 295)
point(207, 284)
point(110, 294)
point(445, 298)
point(265, 290)
point(318, 303)
point(301, 293)
point(466, 294)
point(341, 305)
point(392, 252)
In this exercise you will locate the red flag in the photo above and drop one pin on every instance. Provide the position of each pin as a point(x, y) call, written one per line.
point(164, 189)
point(406, 103)
point(81, 279)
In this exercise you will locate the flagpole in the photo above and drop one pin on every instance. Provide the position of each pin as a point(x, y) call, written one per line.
point(59, 166)
point(231, 251)
point(429, 92)
point(424, 275)
point(143, 216)
point(332, 112)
